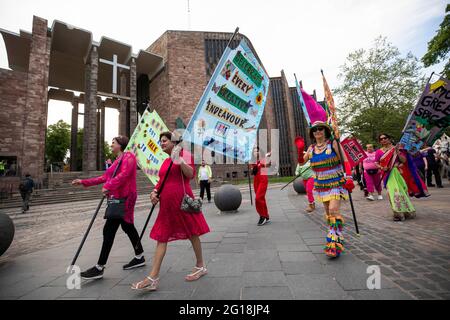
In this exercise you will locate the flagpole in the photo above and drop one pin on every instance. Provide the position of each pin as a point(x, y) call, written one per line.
point(341, 160)
point(249, 184)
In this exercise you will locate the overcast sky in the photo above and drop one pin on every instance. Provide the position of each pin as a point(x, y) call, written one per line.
point(297, 36)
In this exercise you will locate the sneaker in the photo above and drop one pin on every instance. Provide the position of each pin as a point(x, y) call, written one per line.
point(262, 221)
point(371, 198)
point(92, 273)
point(380, 197)
point(135, 263)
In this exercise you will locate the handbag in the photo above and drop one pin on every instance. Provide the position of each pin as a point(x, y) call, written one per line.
point(115, 207)
point(372, 171)
point(188, 204)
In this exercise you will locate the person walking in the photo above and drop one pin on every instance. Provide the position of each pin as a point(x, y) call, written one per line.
point(172, 222)
point(372, 174)
point(260, 184)
point(26, 189)
point(420, 162)
point(121, 186)
point(433, 168)
point(304, 172)
point(331, 183)
point(204, 179)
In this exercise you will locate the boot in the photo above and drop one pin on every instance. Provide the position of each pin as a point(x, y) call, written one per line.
point(311, 207)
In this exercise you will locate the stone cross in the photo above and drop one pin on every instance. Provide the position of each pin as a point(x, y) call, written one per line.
point(115, 65)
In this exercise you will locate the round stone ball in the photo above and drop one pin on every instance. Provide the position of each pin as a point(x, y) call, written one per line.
point(299, 186)
point(6, 232)
point(228, 198)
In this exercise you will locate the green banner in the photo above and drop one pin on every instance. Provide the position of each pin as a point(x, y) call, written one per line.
point(246, 67)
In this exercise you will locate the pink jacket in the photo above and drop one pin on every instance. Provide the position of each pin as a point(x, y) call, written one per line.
point(123, 185)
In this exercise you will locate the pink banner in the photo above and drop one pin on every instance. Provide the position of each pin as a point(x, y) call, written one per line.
point(353, 150)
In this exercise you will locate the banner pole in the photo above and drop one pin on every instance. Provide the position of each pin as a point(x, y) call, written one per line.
point(153, 206)
point(249, 184)
point(341, 160)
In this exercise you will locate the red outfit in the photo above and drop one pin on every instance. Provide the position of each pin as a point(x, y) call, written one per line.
point(172, 222)
point(260, 183)
point(123, 185)
point(309, 186)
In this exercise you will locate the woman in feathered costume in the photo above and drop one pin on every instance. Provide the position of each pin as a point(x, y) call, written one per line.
point(332, 180)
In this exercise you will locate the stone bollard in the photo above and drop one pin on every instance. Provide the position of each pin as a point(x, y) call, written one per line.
point(228, 198)
point(299, 186)
point(6, 232)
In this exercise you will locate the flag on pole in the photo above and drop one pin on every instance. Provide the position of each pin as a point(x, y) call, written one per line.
point(144, 143)
point(331, 107)
point(302, 102)
point(229, 112)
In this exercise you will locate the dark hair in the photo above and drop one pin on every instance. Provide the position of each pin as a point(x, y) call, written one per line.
point(327, 133)
point(386, 135)
point(122, 141)
point(27, 175)
point(169, 135)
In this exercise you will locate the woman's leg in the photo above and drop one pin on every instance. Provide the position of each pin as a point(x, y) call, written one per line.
point(109, 233)
point(369, 183)
point(160, 252)
point(197, 246)
point(133, 235)
point(335, 241)
point(260, 200)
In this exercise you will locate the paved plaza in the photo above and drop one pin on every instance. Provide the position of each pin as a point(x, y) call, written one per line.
point(281, 260)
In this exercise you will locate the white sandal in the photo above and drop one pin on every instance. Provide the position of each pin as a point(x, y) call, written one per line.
point(152, 286)
point(201, 271)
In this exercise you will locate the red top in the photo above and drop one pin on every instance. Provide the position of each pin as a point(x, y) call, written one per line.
point(123, 185)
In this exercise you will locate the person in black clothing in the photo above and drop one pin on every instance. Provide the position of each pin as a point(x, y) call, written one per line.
point(26, 189)
point(433, 168)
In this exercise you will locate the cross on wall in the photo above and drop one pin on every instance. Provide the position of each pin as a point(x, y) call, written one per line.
point(115, 66)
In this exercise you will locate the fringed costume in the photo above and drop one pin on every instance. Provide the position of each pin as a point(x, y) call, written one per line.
point(329, 184)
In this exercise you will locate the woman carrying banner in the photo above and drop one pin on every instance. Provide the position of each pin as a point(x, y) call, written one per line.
point(330, 184)
point(173, 223)
point(121, 186)
point(260, 183)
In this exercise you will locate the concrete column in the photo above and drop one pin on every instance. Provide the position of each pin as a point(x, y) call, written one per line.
point(133, 97)
point(101, 135)
point(90, 114)
point(73, 136)
point(290, 123)
point(123, 105)
point(31, 159)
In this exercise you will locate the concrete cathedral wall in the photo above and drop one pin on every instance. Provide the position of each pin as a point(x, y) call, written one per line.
point(24, 106)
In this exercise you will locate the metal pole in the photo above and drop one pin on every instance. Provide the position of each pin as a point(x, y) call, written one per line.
point(249, 184)
point(153, 206)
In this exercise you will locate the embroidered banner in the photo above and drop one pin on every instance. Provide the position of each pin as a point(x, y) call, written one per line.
point(430, 117)
point(144, 143)
point(229, 112)
point(353, 150)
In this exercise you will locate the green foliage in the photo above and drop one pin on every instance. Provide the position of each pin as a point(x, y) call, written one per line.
point(439, 46)
point(378, 91)
point(57, 142)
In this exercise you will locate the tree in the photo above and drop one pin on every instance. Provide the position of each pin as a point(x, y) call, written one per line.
point(379, 89)
point(57, 142)
point(439, 46)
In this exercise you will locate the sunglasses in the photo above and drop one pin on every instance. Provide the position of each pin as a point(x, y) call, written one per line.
point(383, 138)
point(317, 129)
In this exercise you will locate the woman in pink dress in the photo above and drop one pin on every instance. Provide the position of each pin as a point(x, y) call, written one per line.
point(172, 222)
point(372, 174)
point(121, 186)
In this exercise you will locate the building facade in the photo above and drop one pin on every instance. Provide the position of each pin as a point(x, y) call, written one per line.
point(63, 62)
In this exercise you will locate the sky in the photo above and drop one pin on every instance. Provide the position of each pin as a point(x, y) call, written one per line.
point(297, 36)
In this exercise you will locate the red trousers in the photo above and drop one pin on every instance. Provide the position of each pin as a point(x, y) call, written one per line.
point(260, 186)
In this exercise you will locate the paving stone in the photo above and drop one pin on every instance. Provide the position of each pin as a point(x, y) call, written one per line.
point(381, 294)
point(263, 279)
point(262, 260)
point(288, 256)
point(316, 286)
point(227, 288)
point(304, 267)
point(45, 293)
point(266, 293)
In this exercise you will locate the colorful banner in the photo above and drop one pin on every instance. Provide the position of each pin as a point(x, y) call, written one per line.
point(144, 143)
point(228, 114)
point(302, 102)
point(331, 107)
point(353, 150)
point(430, 117)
